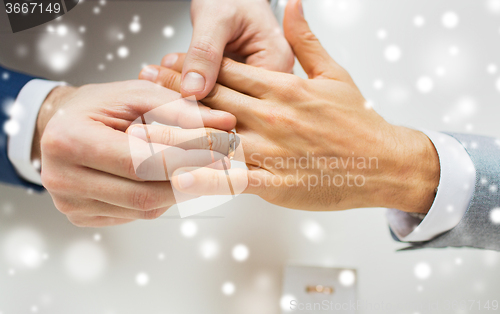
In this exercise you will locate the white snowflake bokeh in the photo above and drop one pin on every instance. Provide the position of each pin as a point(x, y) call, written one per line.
point(135, 25)
point(142, 279)
point(240, 253)
point(228, 288)
point(313, 231)
point(85, 261)
point(189, 229)
point(495, 216)
point(422, 270)
point(393, 53)
point(209, 249)
point(168, 31)
point(23, 248)
point(59, 48)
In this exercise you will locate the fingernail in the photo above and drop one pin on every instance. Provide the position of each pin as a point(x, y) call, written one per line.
point(149, 73)
point(193, 82)
point(185, 180)
point(138, 131)
point(301, 9)
point(169, 60)
point(219, 113)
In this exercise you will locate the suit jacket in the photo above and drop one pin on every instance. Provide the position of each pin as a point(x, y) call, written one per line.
point(11, 84)
point(477, 228)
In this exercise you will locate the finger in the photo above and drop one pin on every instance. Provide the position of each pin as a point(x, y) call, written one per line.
point(202, 181)
point(199, 147)
point(163, 76)
point(224, 99)
point(145, 100)
point(202, 63)
point(97, 208)
point(174, 61)
point(110, 189)
point(130, 157)
point(188, 139)
point(144, 196)
point(180, 113)
point(278, 57)
point(92, 208)
point(247, 79)
point(161, 165)
point(219, 97)
point(312, 56)
point(96, 222)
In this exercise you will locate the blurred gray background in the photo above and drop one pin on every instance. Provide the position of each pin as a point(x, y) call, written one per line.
point(423, 64)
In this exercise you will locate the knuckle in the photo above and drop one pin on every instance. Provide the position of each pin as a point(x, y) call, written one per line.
point(227, 64)
point(79, 221)
point(54, 143)
point(205, 50)
point(308, 37)
point(152, 214)
point(213, 96)
point(144, 200)
point(290, 89)
point(296, 82)
point(64, 206)
point(52, 182)
point(168, 79)
point(167, 136)
point(126, 163)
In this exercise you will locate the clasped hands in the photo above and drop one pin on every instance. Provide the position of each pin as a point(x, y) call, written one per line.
point(310, 144)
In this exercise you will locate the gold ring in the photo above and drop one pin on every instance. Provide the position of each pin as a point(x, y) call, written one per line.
point(232, 145)
point(320, 289)
point(210, 142)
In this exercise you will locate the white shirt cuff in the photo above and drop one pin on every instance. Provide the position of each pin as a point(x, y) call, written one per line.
point(24, 113)
point(455, 191)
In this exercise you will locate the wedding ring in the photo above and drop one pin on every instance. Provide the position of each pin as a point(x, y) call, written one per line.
point(320, 289)
point(210, 143)
point(232, 145)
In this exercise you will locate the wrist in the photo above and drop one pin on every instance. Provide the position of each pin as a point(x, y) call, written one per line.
point(422, 174)
point(54, 101)
point(415, 173)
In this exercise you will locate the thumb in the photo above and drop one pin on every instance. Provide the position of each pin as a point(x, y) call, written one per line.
point(203, 59)
point(314, 59)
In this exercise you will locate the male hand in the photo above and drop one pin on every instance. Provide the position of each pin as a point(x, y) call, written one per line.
point(86, 156)
point(243, 29)
point(313, 144)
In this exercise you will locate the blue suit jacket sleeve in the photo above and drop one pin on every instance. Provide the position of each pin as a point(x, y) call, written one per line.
point(11, 83)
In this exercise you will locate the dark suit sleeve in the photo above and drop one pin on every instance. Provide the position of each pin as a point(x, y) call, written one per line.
point(11, 83)
point(480, 225)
